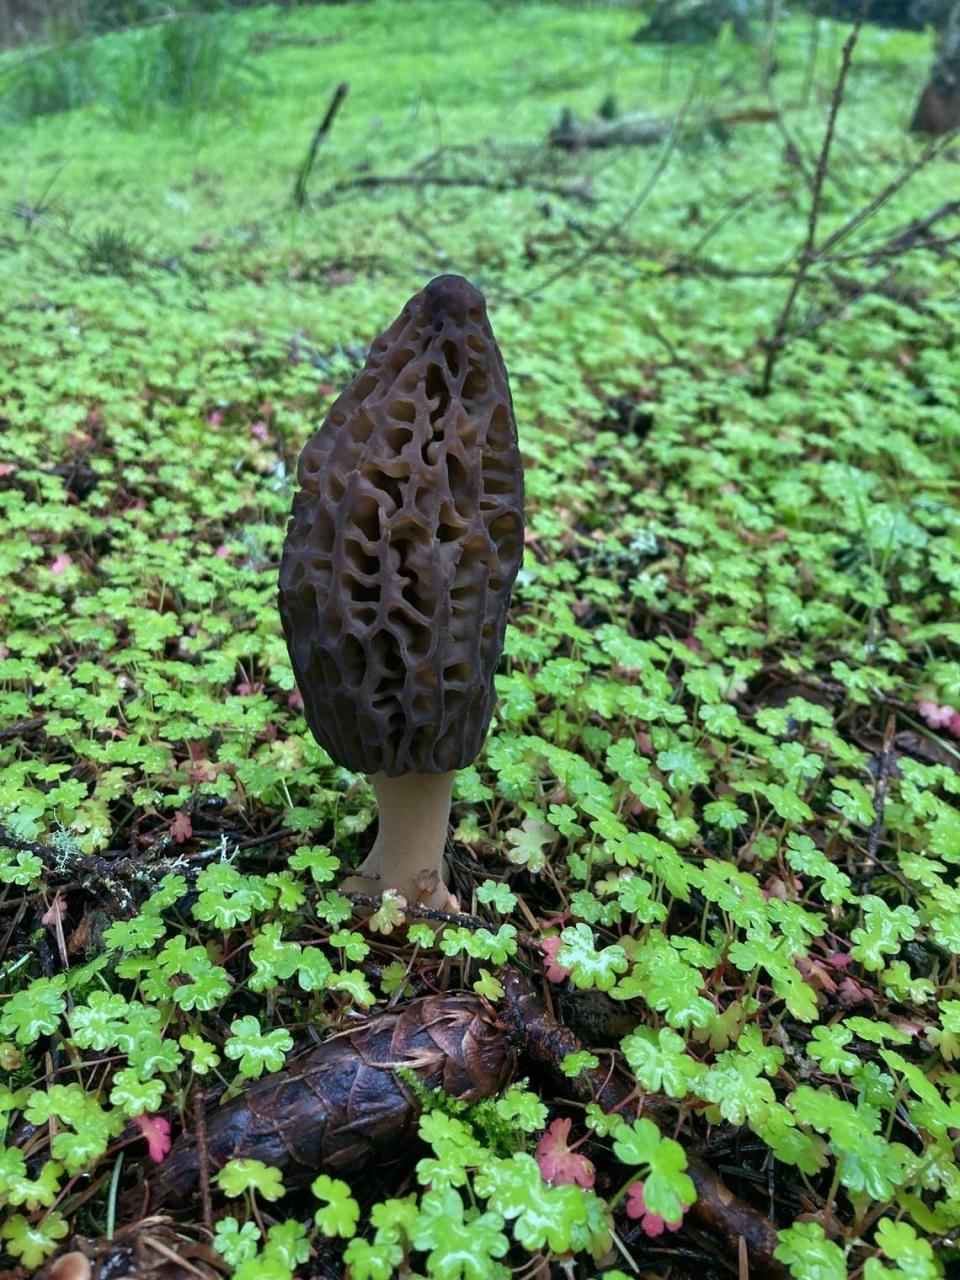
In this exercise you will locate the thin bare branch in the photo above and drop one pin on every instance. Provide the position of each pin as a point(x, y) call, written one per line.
point(620, 223)
point(931, 152)
point(808, 253)
point(517, 183)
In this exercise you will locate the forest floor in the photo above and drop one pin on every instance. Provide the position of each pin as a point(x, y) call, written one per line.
point(716, 818)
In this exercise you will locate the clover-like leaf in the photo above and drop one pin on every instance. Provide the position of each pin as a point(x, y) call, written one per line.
point(99, 1023)
point(16, 1188)
point(827, 1047)
point(355, 984)
point(150, 1053)
point(883, 930)
point(652, 1224)
point(497, 895)
point(354, 946)
point(317, 859)
point(529, 842)
point(461, 1246)
point(575, 1063)
point(914, 1256)
point(738, 1089)
point(660, 1060)
point(668, 1191)
point(558, 1163)
point(274, 959)
point(287, 1243)
point(809, 1254)
point(134, 1096)
point(203, 1056)
point(588, 966)
point(34, 1011)
point(313, 969)
point(236, 1243)
point(135, 935)
point(228, 897)
point(242, 1175)
point(867, 1161)
point(257, 1052)
point(340, 1212)
point(372, 1261)
point(265, 1266)
point(488, 986)
point(561, 1218)
point(390, 914)
point(522, 1108)
point(32, 1243)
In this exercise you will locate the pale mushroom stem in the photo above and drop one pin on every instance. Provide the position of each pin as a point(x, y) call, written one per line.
point(414, 811)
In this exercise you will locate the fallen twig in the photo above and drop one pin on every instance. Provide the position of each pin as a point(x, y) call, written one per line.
point(303, 177)
point(713, 229)
point(856, 220)
point(808, 252)
point(913, 238)
point(116, 867)
point(152, 1249)
point(23, 728)
point(643, 130)
point(622, 220)
point(880, 791)
point(516, 183)
point(917, 233)
point(419, 912)
point(203, 1157)
point(851, 291)
point(70, 862)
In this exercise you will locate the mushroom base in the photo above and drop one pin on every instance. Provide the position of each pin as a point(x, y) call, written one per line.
point(407, 854)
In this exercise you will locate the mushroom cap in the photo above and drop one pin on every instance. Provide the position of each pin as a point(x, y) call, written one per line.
point(405, 539)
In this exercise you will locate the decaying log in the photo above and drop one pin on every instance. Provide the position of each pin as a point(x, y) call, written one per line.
point(717, 1210)
point(335, 1107)
point(641, 130)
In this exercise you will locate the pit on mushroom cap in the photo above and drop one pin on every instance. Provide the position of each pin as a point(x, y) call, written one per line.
point(405, 539)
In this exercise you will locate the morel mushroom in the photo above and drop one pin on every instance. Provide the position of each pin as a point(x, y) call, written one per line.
point(405, 539)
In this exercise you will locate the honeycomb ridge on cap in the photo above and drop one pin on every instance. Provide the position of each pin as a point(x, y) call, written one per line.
point(405, 540)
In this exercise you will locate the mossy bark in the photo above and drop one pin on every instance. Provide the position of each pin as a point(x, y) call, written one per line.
point(938, 110)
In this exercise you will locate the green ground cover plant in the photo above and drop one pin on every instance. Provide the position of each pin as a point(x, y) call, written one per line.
point(718, 809)
point(176, 65)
